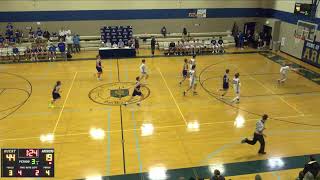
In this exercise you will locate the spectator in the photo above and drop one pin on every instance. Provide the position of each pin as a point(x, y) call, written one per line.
point(62, 34)
point(136, 45)
point(267, 39)
point(108, 44)
point(114, 45)
point(9, 33)
point(9, 26)
point(62, 49)
point(31, 35)
point(153, 45)
point(69, 41)
point(217, 175)
point(39, 35)
point(67, 32)
point(164, 31)
point(18, 36)
point(184, 32)
point(241, 40)
point(1, 40)
point(28, 53)
point(131, 43)
point(120, 43)
point(249, 38)
point(172, 48)
point(311, 169)
point(15, 53)
point(46, 35)
point(52, 52)
point(76, 43)
point(34, 54)
point(220, 45)
point(12, 40)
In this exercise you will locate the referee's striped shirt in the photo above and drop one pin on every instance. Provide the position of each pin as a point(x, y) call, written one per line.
point(259, 127)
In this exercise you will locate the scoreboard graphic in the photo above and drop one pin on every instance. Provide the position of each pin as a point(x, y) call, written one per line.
point(27, 162)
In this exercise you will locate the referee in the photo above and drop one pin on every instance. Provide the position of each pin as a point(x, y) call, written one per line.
point(258, 135)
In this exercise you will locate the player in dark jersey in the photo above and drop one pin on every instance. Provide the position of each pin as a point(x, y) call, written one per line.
point(225, 83)
point(55, 94)
point(99, 67)
point(136, 92)
point(184, 71)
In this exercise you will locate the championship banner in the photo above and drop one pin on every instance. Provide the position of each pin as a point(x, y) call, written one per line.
point(311, 52)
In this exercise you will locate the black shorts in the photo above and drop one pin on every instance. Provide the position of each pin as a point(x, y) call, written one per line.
point(225, 86)
point(99, 69)
point(136, 93)
point(184, 73)
point(56, 95)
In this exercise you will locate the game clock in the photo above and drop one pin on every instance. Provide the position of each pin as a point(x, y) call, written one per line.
point(27, 162)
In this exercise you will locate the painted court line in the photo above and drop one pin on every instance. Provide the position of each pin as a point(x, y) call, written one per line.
point(64, 103)
point(160, 127)
point(272, 92)
point(184, 119)
point(137, 141)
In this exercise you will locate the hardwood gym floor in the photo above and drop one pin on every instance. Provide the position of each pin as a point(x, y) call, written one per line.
point(168, 130)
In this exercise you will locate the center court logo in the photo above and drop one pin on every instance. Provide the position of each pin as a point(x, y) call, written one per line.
point(116, 94)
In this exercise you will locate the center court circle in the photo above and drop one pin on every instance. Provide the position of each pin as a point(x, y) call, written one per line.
point(116, 93)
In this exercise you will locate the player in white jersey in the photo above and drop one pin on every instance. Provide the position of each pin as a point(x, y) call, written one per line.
point(236, 86)
point(193, 81)
point(143, 70)
point(284, 73)
point(192, 61)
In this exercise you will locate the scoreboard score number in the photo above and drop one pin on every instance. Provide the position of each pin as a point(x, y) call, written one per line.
point(27, 162)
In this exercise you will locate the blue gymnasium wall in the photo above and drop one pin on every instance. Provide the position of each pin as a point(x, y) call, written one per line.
point(32, 16)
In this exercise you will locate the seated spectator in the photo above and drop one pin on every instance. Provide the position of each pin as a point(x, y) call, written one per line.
point(15, 53)
point(28, 53)
point(120, 43)
point(39, 35)
point(172, 48)
point(69, 42)
point(214, 45)
point(9, 26)
point(62, 49)
point(114, 45)
point(164, 31)
point(31, 35)
point(12, 40)
point(52, 52)
point(220, 45)
point(46, 35)
point(9, 33)
point(76, 43)
point(1, 40)
point(108, 44)
point(34, 54)
point(311, 169)
point(179, 48)
point(197, 46)
point(42, 52)
point(217, 175)
point(18, 36)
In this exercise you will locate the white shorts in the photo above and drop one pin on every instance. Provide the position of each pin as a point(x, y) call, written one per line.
point(192, 82)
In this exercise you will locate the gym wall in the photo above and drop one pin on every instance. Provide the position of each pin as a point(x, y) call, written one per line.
point(146, 16)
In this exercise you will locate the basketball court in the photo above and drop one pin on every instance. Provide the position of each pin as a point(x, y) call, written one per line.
point(93, 134)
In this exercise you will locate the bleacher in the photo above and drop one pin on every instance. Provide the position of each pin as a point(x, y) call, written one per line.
point(92, 43)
